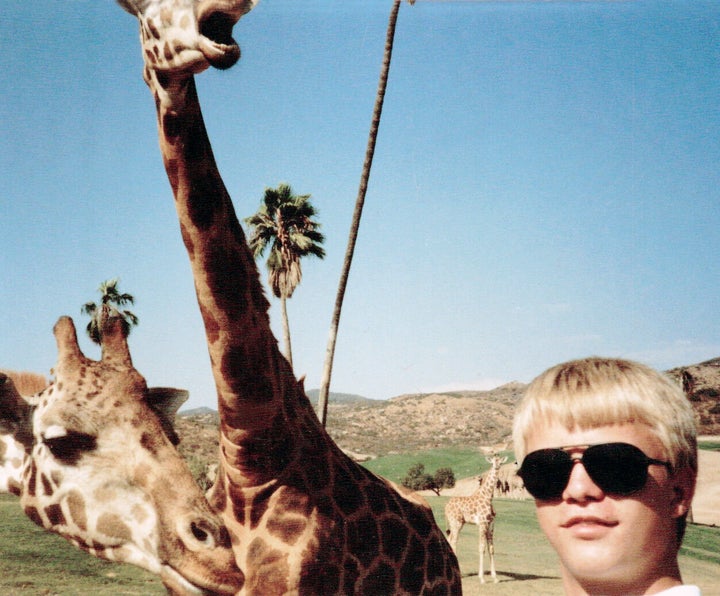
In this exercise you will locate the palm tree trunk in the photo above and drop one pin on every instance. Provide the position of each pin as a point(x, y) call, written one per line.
point(286, 330)
point(355, 225)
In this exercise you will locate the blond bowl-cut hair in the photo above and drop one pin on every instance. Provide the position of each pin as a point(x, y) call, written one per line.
point(595, 392)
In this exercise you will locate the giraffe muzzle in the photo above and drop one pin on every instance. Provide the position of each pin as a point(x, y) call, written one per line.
point(205, 563)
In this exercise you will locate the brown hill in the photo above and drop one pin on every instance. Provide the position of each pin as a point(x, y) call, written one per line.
point(424, 421)
point(373, 428)
point(701, 383)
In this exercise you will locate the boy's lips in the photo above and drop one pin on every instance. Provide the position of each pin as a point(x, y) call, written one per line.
point(588, 527)
point(588, 520)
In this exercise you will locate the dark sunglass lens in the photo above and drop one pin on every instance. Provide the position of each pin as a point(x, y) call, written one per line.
point(545, 473)
point(617, 468)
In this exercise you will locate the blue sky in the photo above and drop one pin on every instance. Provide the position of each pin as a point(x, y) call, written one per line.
point(545, 185)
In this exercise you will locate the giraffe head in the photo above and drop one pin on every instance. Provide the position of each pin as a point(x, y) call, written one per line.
point(100, 468)
point(496, 461)
point(492, 455)
point(187, 36)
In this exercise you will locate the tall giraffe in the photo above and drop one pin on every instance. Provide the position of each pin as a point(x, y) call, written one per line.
point(302, 516)
point(98, 467)
point(477, 509)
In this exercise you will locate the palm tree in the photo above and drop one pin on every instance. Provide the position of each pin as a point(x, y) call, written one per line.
point(110, 302)
point(359, 202)
point(285, 222)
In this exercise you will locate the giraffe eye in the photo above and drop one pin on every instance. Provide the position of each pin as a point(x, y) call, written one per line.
point(70, 447)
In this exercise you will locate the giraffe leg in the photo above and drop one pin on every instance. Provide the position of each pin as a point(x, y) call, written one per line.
point(491, 552)
point(453, 532)
point(481, 553)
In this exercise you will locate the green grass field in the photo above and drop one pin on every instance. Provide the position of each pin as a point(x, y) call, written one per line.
point(464, 462)
point(34, 562)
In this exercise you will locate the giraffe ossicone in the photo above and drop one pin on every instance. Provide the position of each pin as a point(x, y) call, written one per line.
point(98, 467)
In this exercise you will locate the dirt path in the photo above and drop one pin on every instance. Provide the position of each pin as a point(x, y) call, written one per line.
point(706, 505)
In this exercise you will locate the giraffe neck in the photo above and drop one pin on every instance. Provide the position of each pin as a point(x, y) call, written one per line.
point(255, 384)
point(487, 488)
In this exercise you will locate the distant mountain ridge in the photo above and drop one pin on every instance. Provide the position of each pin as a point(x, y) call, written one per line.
point(336, 398)
point(339, 398)
point(196, 412)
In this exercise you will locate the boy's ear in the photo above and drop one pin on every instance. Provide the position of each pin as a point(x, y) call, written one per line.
point(684, 490)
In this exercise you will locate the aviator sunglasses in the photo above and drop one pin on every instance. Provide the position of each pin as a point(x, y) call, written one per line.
point(617, 468)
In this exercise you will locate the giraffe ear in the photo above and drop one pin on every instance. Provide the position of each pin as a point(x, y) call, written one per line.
point(15, 412)
point(165, 402)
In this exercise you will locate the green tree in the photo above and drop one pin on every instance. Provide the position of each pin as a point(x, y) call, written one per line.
point(357, 214)
point(111, 301)
point(418, 479)
point(285, 223)
point(443, 478)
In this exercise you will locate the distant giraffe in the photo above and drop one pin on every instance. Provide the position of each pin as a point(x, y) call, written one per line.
point(477, 509)
point(302, 517)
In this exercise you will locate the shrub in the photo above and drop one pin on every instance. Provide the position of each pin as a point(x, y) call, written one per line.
point(418, 479)
point(444, 478)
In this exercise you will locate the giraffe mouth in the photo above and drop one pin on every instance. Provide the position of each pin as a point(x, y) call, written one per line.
point(179, 585)
point(175, 583)
point(217, 43)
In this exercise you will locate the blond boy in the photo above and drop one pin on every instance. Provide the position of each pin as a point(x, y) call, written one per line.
point(608, 450)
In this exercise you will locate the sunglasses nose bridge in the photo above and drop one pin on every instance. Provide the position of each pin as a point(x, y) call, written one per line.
point(580, 484)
